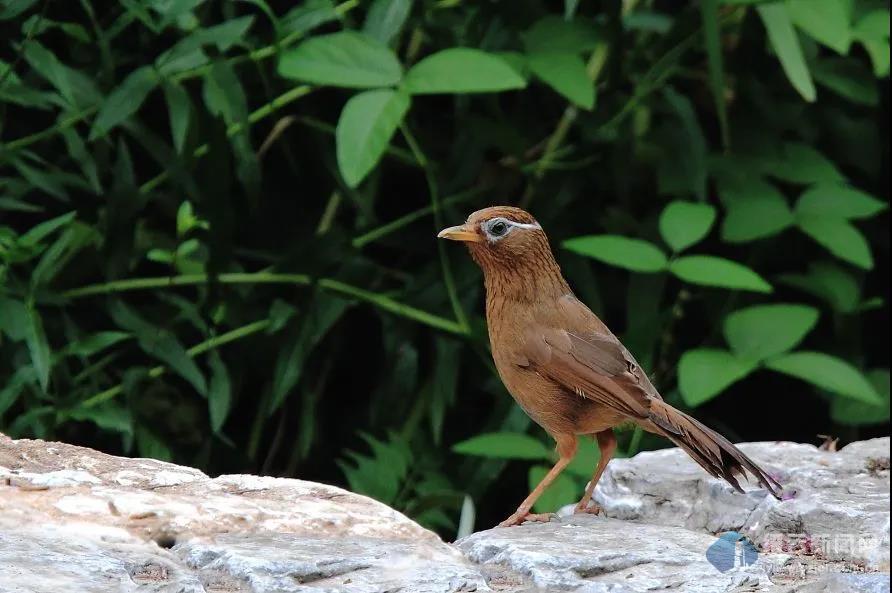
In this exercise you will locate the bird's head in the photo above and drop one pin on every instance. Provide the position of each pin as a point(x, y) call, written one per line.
point(503, 239)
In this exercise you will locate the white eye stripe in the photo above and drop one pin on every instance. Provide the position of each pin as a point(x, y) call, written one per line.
point(510, 224)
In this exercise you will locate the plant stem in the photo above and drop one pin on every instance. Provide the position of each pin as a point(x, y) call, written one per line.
point(385, 229)
point(253, 117)
point(200, 348)
point(593, 68)
point(382, 302)
point(457, 310)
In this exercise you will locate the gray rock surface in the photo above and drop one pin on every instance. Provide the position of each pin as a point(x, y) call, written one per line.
point(73, 519)
point(837, 503)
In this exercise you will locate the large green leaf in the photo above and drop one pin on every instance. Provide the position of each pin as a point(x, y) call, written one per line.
point(386, 18)
point(756, 210)
point(838, 201)
point(704, 373)
point(803, 164)
point(364, 130)
point(829, 282)
point(38, 346)
point(633, 254)
point(306, 16)
point(849, 79)
point(125, 100)
point(854, 412)
point(683, 224)
point(827, 372)
point(825, 21)
point(786, 45)
point(503, 445)
point(716, 271)
point(763, 331)
point(565, 73)
point(179, 108)
point(839, 237)
point(219, 392)
point(346, 59)
point(554, 34)
point(462, 70)
point(561, 492)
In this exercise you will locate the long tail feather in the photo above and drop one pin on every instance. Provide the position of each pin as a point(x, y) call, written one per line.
point(716, 454)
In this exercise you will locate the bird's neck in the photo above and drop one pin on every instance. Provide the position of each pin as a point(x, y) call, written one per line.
point(527, 282)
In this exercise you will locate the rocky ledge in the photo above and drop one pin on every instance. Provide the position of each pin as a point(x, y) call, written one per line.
point(73, 519)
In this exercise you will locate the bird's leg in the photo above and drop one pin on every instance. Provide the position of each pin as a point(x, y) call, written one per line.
point(607, 446)
point(566, 448)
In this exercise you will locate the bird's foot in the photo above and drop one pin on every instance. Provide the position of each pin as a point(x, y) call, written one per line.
point(524, 516)
point(588, 509)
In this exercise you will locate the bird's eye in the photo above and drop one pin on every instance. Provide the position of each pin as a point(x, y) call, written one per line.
point(498, 228)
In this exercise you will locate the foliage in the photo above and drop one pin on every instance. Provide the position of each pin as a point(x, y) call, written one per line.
point(217, 225)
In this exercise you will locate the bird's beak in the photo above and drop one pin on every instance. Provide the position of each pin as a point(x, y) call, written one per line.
point(459, 233)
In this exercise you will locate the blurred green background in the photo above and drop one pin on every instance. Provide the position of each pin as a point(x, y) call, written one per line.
point(218, 219)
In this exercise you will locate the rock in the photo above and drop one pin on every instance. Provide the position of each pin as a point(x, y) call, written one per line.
point(73, 519)
point(837, 503)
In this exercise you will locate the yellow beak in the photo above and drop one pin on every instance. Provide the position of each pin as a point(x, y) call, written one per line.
point(460, 233)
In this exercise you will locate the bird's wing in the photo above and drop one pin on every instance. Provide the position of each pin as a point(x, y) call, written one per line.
point(573, 348)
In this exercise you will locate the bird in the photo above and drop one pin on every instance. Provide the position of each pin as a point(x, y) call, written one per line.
point(565, 368)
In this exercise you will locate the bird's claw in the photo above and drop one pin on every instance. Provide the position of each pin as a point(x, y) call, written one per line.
point(524, 516)
point(592, 509)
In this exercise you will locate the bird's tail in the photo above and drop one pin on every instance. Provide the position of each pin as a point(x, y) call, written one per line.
point(716, 454)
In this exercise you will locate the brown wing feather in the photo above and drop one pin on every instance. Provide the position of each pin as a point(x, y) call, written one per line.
point(585, 358)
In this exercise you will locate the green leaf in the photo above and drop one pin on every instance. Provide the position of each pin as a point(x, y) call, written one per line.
point(554, 34)
point(306, 16)
point(633, 254)
point(704, 373)
point(586, 459)
point(827, 372)
point(873, 25)
point(849, 79)
point(346, 59)
point(688, 150)
point(565, 73)
point(75, 87)
point(683, 224)
point(879, 56)
point(800, 163)
point(386, 18)
point(179, 107)
point(503, 445)
point(159, 343)
point(838, 201)
point(839, 237)
point(124, 101)
point(94, 343)
point(108, 416)
point(830, 282)
point(826, 21)
point(462, 70)
point(763, 331)
point(559, 493)
point(12, 8)
point(42, 230)
point(367, 123)
point(755, 210)
point(38, 346)
point(853, 412)
point(709, 15)
point(786, 45)
point(226, 34)
point(708, 270)
point(219, 392)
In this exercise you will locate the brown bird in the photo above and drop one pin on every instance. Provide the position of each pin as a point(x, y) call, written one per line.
point(568, 372)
